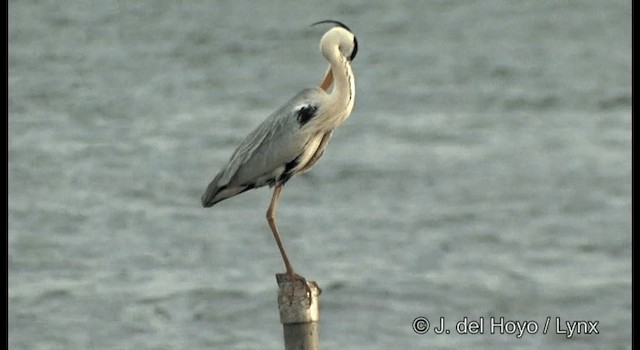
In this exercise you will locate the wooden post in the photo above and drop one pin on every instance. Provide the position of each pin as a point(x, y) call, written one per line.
point(298, 313)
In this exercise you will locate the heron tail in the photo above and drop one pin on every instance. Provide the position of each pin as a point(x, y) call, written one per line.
point(215, 193)
point(209, 197)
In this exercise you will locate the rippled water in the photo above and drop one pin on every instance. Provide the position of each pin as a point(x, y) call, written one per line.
point(485, 172)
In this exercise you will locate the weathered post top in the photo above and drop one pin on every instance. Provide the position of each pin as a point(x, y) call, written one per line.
point(299, 312)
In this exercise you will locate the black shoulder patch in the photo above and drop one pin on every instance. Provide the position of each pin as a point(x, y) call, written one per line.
point(305, 114)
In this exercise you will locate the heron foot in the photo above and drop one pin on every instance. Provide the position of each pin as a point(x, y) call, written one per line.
point(294, 279)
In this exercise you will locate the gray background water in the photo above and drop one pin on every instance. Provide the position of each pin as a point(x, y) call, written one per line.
point(485, 171)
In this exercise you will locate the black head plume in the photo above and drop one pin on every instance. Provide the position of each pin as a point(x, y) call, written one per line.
point(340, 24)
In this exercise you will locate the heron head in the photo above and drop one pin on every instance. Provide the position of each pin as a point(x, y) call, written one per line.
point(347, 42)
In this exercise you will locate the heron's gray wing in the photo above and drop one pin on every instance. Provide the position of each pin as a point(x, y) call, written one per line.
point(263, 155)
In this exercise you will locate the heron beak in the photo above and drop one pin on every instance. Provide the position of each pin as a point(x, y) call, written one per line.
point(327, 81)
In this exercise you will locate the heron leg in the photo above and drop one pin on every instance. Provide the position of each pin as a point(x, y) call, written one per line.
point(271, 219)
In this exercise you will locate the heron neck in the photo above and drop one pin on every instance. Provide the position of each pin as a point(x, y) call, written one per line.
point(344, 83)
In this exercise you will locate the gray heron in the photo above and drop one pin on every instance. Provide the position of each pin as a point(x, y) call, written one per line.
point(292, 139)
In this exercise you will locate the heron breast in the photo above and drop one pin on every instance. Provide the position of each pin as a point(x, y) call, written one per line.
point(309, 151)
point(299, 164)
